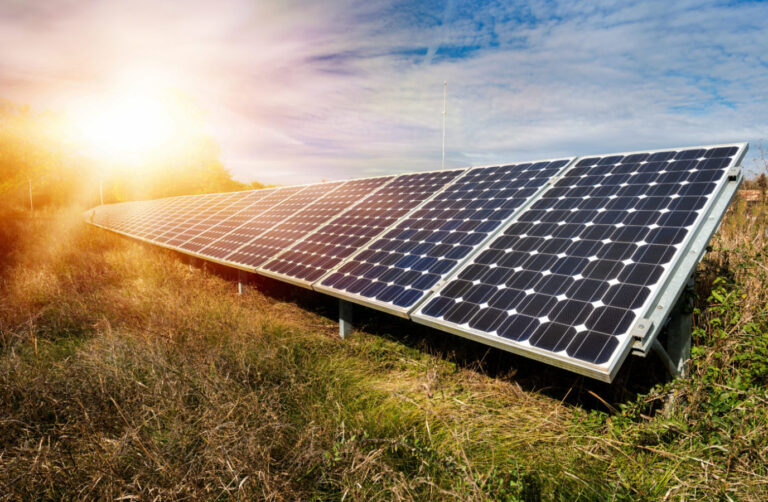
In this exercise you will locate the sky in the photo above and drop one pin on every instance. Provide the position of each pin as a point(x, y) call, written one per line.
point(297, 92)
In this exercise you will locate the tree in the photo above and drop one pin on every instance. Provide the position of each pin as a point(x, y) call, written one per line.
point(33, 146)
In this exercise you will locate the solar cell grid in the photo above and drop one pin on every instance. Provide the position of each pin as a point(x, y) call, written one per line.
point(122, 216)
point(572, 274)
point(301, 226)
point(102, 215)
point(332, 243)
point(191, 215)
point(401, 266)
point(112, 215)
point(251, 222)
point(255, 252)
point(217, 209)
point(169, 216)
point(557, 266)
point(151, 214)
point(241, 212)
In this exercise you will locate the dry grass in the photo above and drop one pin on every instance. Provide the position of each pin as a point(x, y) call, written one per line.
point(125, 375)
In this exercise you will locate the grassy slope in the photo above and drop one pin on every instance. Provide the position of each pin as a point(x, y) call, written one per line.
point(125, 374)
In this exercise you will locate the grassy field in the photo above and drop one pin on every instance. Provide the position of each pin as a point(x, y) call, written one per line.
point(124, 375)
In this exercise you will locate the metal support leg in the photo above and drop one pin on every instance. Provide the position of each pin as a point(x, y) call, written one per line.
point(679, 338)
point(345, 319)
point(193, 263)
point(242, 282)
point(677, 350)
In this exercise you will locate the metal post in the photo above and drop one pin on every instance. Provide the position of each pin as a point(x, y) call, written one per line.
point(242, 282)
point(345, 319)
point(31, 206)
point(676, 353)
point(679, 330)
point(445, 95)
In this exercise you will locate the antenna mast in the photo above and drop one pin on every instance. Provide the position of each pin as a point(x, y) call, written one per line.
point(445, 94)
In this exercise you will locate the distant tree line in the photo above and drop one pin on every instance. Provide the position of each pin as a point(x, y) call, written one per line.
point(33, 150)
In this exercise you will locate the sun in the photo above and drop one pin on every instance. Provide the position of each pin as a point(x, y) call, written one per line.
point(125, 126)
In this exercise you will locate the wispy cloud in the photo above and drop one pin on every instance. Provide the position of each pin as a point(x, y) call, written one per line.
point(300, 91)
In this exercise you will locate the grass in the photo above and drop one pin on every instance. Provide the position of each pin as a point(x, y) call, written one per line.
point(125, 375)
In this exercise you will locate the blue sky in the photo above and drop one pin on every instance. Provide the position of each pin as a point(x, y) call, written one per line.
point(297, 92)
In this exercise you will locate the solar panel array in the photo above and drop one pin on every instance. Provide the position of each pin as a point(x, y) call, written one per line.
point(334, 242)
point(557, 259)
point(572, 274)
point(401, 266)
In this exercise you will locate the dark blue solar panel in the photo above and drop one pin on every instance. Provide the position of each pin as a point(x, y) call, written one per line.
point(314, 256)
point(164, 215)
point(249, 252)
point(214, 210)
point(237, 215)
point(303, 222)
point(572, 274)
point(421, 249)
point(256, 218)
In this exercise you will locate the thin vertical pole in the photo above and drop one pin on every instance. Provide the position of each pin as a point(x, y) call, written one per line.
point(101, 191)
point(31, 205)
point(242, 282)
point(445, 95)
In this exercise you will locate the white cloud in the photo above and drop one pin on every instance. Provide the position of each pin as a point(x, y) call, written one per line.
point(299, 92)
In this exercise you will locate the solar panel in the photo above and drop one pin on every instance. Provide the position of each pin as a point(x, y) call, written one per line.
point(335, 241)
point(187, 216)
point(233, 247)
point(399, 268)
point(568, 279)
point(302, 224)
point(123, 217)
point(570, 263)
point(170, 215)
point(205, 217)
point(241, 213)
point(132, 215)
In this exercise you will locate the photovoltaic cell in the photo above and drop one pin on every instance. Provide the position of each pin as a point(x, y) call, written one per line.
point(215, 211)
point(130, 216)
point(324, 249)
point(209, 204)
point(402, 265)
point(572, 274)
point(301, 225)
point(563, 280)
point(250, 223)
point(255, 203)
point(177, 210)
point(248, 252)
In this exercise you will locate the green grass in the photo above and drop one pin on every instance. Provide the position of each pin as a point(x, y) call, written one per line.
point(126, 375)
